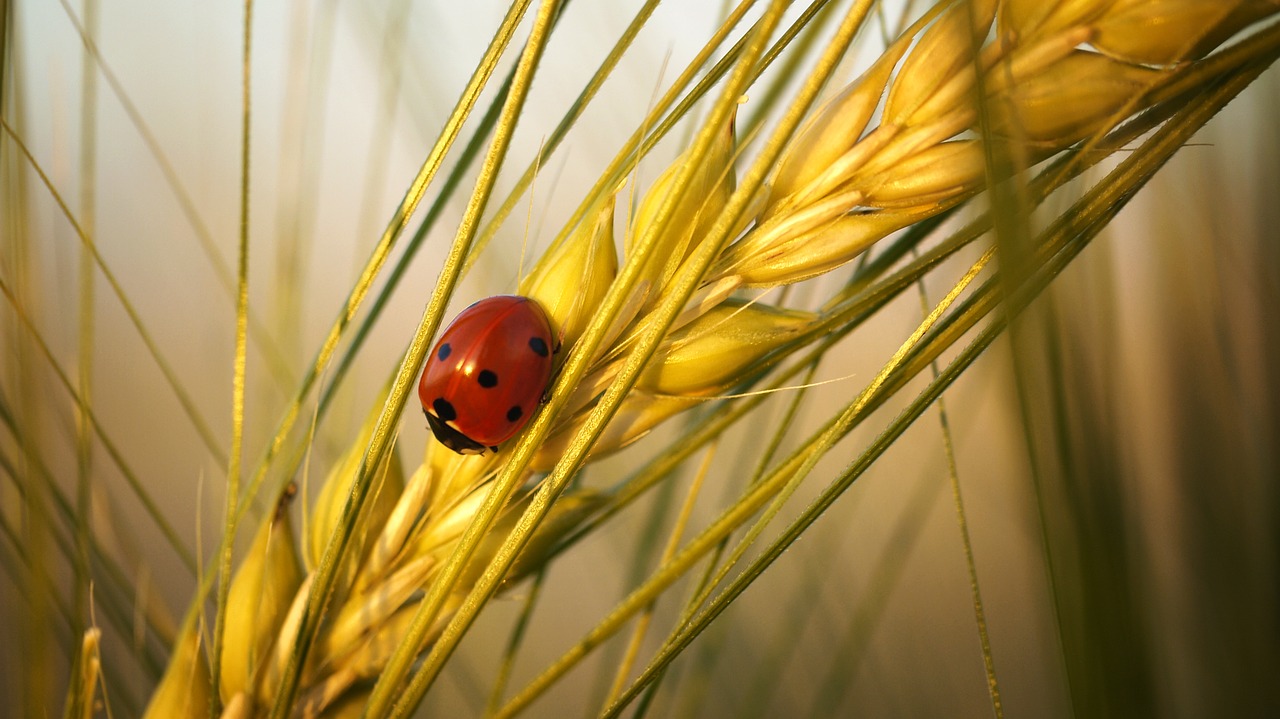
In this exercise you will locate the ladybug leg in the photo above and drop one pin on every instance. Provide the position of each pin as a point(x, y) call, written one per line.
point(551, 381)
point(555, 372)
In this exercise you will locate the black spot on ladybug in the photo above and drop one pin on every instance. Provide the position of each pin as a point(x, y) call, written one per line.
point(444, 352)
point(538, 345)
point(487, 379)
point(444, 409)
point(514, 413)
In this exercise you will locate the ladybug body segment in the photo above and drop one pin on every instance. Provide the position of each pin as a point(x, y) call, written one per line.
point(487, 374)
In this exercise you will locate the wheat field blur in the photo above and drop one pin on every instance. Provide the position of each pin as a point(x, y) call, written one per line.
point(1117, 451)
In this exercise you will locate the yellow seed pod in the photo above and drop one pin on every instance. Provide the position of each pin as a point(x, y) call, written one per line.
point(565, 515)
point(721, 348)
point(640, 412)
point(1026, 20)
point(388, 483)
point(83, 688)
point(348, 706)
point(779, 234)
point(184, 689)
point(1070, 99)
point(944, 51)
point(694, 213)
point(931, 176)
point(1161, 32)
point(366, 656)
point(1246, 13)
point(259, 596)
point(572, 281)
point(812, 253)
point(342, 687)
point(372, 655)
point(832, 131)
point(367, 610)
point(286, 640)
point(239, 706)
point(399, 524)
point(454, 475)
point(447, 521)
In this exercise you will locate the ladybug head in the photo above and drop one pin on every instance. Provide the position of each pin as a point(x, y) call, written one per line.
point(453, 439)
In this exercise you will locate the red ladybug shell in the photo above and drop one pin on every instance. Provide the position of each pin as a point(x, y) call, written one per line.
point(487, 374)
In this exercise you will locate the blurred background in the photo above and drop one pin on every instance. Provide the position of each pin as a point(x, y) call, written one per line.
point(1118, 452)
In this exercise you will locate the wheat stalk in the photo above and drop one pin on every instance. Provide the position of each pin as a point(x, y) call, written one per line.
point(360, 611)
point(839, 188)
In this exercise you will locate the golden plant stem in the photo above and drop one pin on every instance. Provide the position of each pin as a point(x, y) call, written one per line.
point(517, 638)
point(79, 703)
point(275, 360)
point(231, 517)
point(669, 551)
point(171, 377)
point(562, 129)
point(130, 478)
point(962, 525)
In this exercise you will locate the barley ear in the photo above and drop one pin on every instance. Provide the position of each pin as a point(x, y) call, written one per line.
point(1026, 21)
point(447, 521)
point(639, 413)
point(721, 348)
point(1070, 99)
point(349, 706)
point(565, 515)
point(287, 638)
point(768, 262)
point(932, 176)
point(183, 692)
point(368, 611)
point(695, 212)
point(454, 475)
point(571, 282)
point(1163, 32)
point(832, 131)
point(84, 686)
point(386, 489)
point(399, 525)
point(259, 596)
point(940, 66)
point(238, 706)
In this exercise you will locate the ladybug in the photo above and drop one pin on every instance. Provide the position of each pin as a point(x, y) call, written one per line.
point(487, 374)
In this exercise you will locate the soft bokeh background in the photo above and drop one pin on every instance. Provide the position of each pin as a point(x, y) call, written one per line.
point(1118, 458)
